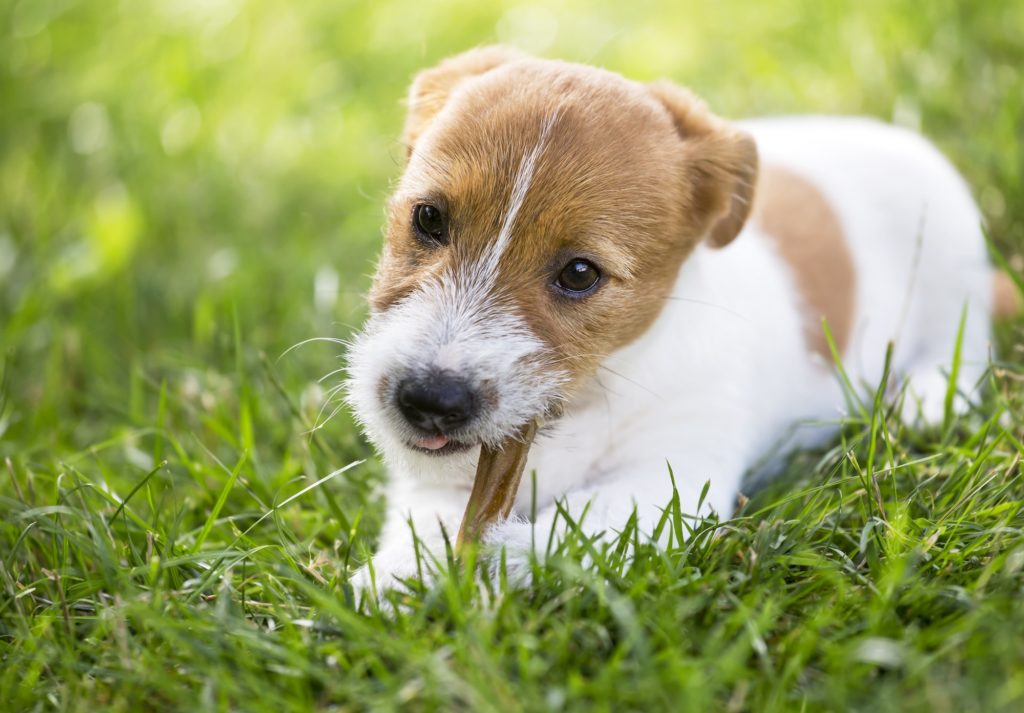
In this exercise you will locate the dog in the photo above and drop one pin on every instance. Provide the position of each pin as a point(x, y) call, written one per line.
point(655, 284)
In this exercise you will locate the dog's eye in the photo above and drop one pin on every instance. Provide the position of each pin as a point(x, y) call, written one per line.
point(430, 224)
point(578, 277)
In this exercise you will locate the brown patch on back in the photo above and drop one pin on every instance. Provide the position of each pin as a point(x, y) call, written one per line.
point(810, 238)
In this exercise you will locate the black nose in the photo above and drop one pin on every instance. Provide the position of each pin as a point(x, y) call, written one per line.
point(440, 403)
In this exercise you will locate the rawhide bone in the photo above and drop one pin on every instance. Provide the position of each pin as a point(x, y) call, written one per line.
point(498, 473)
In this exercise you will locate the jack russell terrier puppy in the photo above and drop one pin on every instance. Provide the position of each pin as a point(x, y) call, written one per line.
point(648, 282)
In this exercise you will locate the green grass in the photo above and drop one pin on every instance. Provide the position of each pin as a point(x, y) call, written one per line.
point(175, 533)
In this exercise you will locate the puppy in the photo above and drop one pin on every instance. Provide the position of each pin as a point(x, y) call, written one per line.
point(652, 282)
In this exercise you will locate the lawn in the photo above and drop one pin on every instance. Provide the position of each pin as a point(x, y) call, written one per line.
point(188, 189)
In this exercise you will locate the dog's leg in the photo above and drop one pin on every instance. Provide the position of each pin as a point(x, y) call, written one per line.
point(928, 375)
point(927, 386)
point(412, 542)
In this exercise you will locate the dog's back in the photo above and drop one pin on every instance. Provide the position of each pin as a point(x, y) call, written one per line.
point(914, 237)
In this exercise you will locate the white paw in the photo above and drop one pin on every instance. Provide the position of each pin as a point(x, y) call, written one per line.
point(512, 540)
point(390, 568)
point(925, 398)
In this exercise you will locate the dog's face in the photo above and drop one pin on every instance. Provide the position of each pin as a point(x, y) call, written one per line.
point(539, 225)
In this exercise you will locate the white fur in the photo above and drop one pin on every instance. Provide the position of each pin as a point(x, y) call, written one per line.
point(460, 324)
point(723, 376)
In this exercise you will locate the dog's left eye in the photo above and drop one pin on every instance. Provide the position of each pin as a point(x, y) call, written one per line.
point(430, 224)
point(578, 277)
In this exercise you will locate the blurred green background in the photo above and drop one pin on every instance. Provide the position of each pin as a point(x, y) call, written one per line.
point(188, 188)
point(172, 172)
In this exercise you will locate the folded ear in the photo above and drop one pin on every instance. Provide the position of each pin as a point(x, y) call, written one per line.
point(721, 162)
point(432, 87)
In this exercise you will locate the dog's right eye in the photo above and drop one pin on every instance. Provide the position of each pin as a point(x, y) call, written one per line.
point(431, 226)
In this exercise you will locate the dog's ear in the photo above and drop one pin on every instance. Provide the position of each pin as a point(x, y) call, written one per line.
point(431, 87)
point(721, 162)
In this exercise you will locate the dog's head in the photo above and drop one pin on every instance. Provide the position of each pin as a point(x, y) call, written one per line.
point(539, 225)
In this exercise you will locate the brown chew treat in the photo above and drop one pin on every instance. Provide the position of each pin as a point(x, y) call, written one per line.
point(497, 481)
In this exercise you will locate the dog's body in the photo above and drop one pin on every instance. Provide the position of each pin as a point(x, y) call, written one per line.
point(718, 363)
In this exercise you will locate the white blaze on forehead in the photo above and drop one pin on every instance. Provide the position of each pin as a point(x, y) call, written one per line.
point(459, 321)
point(520, 186)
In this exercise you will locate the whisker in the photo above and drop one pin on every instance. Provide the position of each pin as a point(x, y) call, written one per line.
point(570, 357)
point(626, 378)
point(622, 376)
point(318, 425)
point(329, 374)
point(334, 340)
point(705, 304)
point(347, 325)
point(334, 391)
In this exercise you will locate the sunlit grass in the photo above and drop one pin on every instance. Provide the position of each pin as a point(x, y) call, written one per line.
point(887, 589)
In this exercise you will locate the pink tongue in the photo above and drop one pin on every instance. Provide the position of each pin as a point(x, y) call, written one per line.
point(432, 443)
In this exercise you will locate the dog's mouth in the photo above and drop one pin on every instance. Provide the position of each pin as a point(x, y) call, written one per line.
point(439, 445)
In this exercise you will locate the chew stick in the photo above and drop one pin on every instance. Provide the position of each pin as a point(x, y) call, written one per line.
point(498, 473)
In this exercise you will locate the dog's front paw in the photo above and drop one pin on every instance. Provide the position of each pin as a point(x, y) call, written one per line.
point(389, 569)
point(513, 542)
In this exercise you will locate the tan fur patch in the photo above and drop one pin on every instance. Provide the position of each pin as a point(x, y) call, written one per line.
point(432, 87)
point(810, 238)
point(628, 176)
